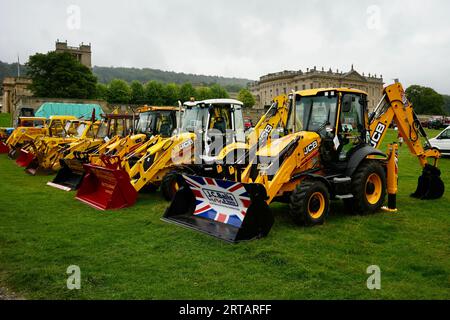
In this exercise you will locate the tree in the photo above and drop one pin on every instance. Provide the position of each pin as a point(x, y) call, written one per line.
point(171, 94)
point(137, 92)
point(101, 91)
point(218, 92)
point(119, 91)
point(60, 75)
point(203, 93)
point(187, 91)
point(425, 100)
point(446, 104)
point(154, 92)
point(246, 98)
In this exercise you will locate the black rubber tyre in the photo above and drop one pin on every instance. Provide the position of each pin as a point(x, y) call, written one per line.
point(169, 185)
point(149, 188)
point(310, 203)
point(368, 188)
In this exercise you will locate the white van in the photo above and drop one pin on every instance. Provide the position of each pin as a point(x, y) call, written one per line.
point(442, 142)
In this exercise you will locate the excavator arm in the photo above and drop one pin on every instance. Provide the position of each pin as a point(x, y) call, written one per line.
point(395, 107)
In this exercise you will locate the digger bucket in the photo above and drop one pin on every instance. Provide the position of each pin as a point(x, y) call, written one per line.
point(70, 176)
point(430, 185)
point(35, 169)
point(106, 188)
point(25, 158)
point(3, 148)
point(231, 211)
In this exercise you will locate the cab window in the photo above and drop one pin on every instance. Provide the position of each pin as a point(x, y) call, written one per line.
point(220, 118)
point(445, 134)
point(312, 113)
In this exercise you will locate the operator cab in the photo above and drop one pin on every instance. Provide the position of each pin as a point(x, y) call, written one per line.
point(337, 115)
point(219, 122)
point(157, 121)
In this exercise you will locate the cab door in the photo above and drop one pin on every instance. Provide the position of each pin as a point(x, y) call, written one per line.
point(443, 142)
point(351, 123)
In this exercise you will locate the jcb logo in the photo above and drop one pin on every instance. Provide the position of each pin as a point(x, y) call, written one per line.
point(308, 149)
point(379, 130)
point(186, 144)
point(266, 132)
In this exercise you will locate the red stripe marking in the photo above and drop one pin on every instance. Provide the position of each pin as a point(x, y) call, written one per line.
point(197, 193)
point(210, 181)
point(221, 217)
point(237, 186)
point(202, 209)
point(246, 203)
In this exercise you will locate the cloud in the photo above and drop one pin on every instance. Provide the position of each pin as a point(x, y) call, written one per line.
point(399, 39)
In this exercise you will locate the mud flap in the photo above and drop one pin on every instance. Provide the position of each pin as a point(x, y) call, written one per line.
point(430, 185)
point(3, 148)
point(25, 158)
point(106, 188)
point(70, 176)
point(230, 211)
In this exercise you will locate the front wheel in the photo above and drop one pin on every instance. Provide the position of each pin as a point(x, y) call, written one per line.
point(170, 185)
point(310, 203)
point(368, 187)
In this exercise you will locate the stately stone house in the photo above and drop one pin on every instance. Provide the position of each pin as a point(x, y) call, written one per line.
point(274, 84)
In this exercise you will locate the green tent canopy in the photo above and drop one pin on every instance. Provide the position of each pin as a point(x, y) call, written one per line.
point(69, 109)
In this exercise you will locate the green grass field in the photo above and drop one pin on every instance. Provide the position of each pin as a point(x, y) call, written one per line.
point(5, 120)
point(132, 254)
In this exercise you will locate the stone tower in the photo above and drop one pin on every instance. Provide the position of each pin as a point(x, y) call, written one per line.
point(82, 53)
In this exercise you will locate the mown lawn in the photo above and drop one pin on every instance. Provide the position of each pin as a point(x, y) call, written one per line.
point(5, 120)
point(132, 254)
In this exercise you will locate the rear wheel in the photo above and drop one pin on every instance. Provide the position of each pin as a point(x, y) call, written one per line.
point(310, 203)
point(170, 185)
point(368, 188)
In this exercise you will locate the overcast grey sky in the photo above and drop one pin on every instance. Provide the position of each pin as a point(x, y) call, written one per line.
point(409, 40)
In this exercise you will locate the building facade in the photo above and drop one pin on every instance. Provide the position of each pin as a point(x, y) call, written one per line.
point(82, 53)
point(274, 84)
point(14, 89)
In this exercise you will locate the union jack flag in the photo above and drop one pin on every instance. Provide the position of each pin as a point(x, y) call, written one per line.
point(219, 200)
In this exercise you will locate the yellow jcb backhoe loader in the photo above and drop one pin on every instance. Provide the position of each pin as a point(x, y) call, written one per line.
point(328, 154)
point(234, 156)
point(116, 184)
point(29, 128)
point(45, 152)
point(113, 128)
point(153, 123)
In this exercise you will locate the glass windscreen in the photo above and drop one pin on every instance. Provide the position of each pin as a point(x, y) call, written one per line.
point(312, 113)
point(161, 122)
point(194, 119)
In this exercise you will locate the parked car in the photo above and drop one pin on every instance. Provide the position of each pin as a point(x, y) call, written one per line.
point(248, 123)
point(442, 142)
point(436, 124)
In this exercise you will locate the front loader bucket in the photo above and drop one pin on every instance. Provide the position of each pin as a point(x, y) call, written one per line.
point(70, 176)
point(430, 185)
point(3, 148)
point(35, 169)
point(231, 211)
point(105, 188)
point(25, 158)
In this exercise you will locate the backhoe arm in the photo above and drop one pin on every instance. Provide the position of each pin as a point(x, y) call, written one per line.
point(395, 106)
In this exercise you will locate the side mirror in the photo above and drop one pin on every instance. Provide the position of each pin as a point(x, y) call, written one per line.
point(347, 103)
